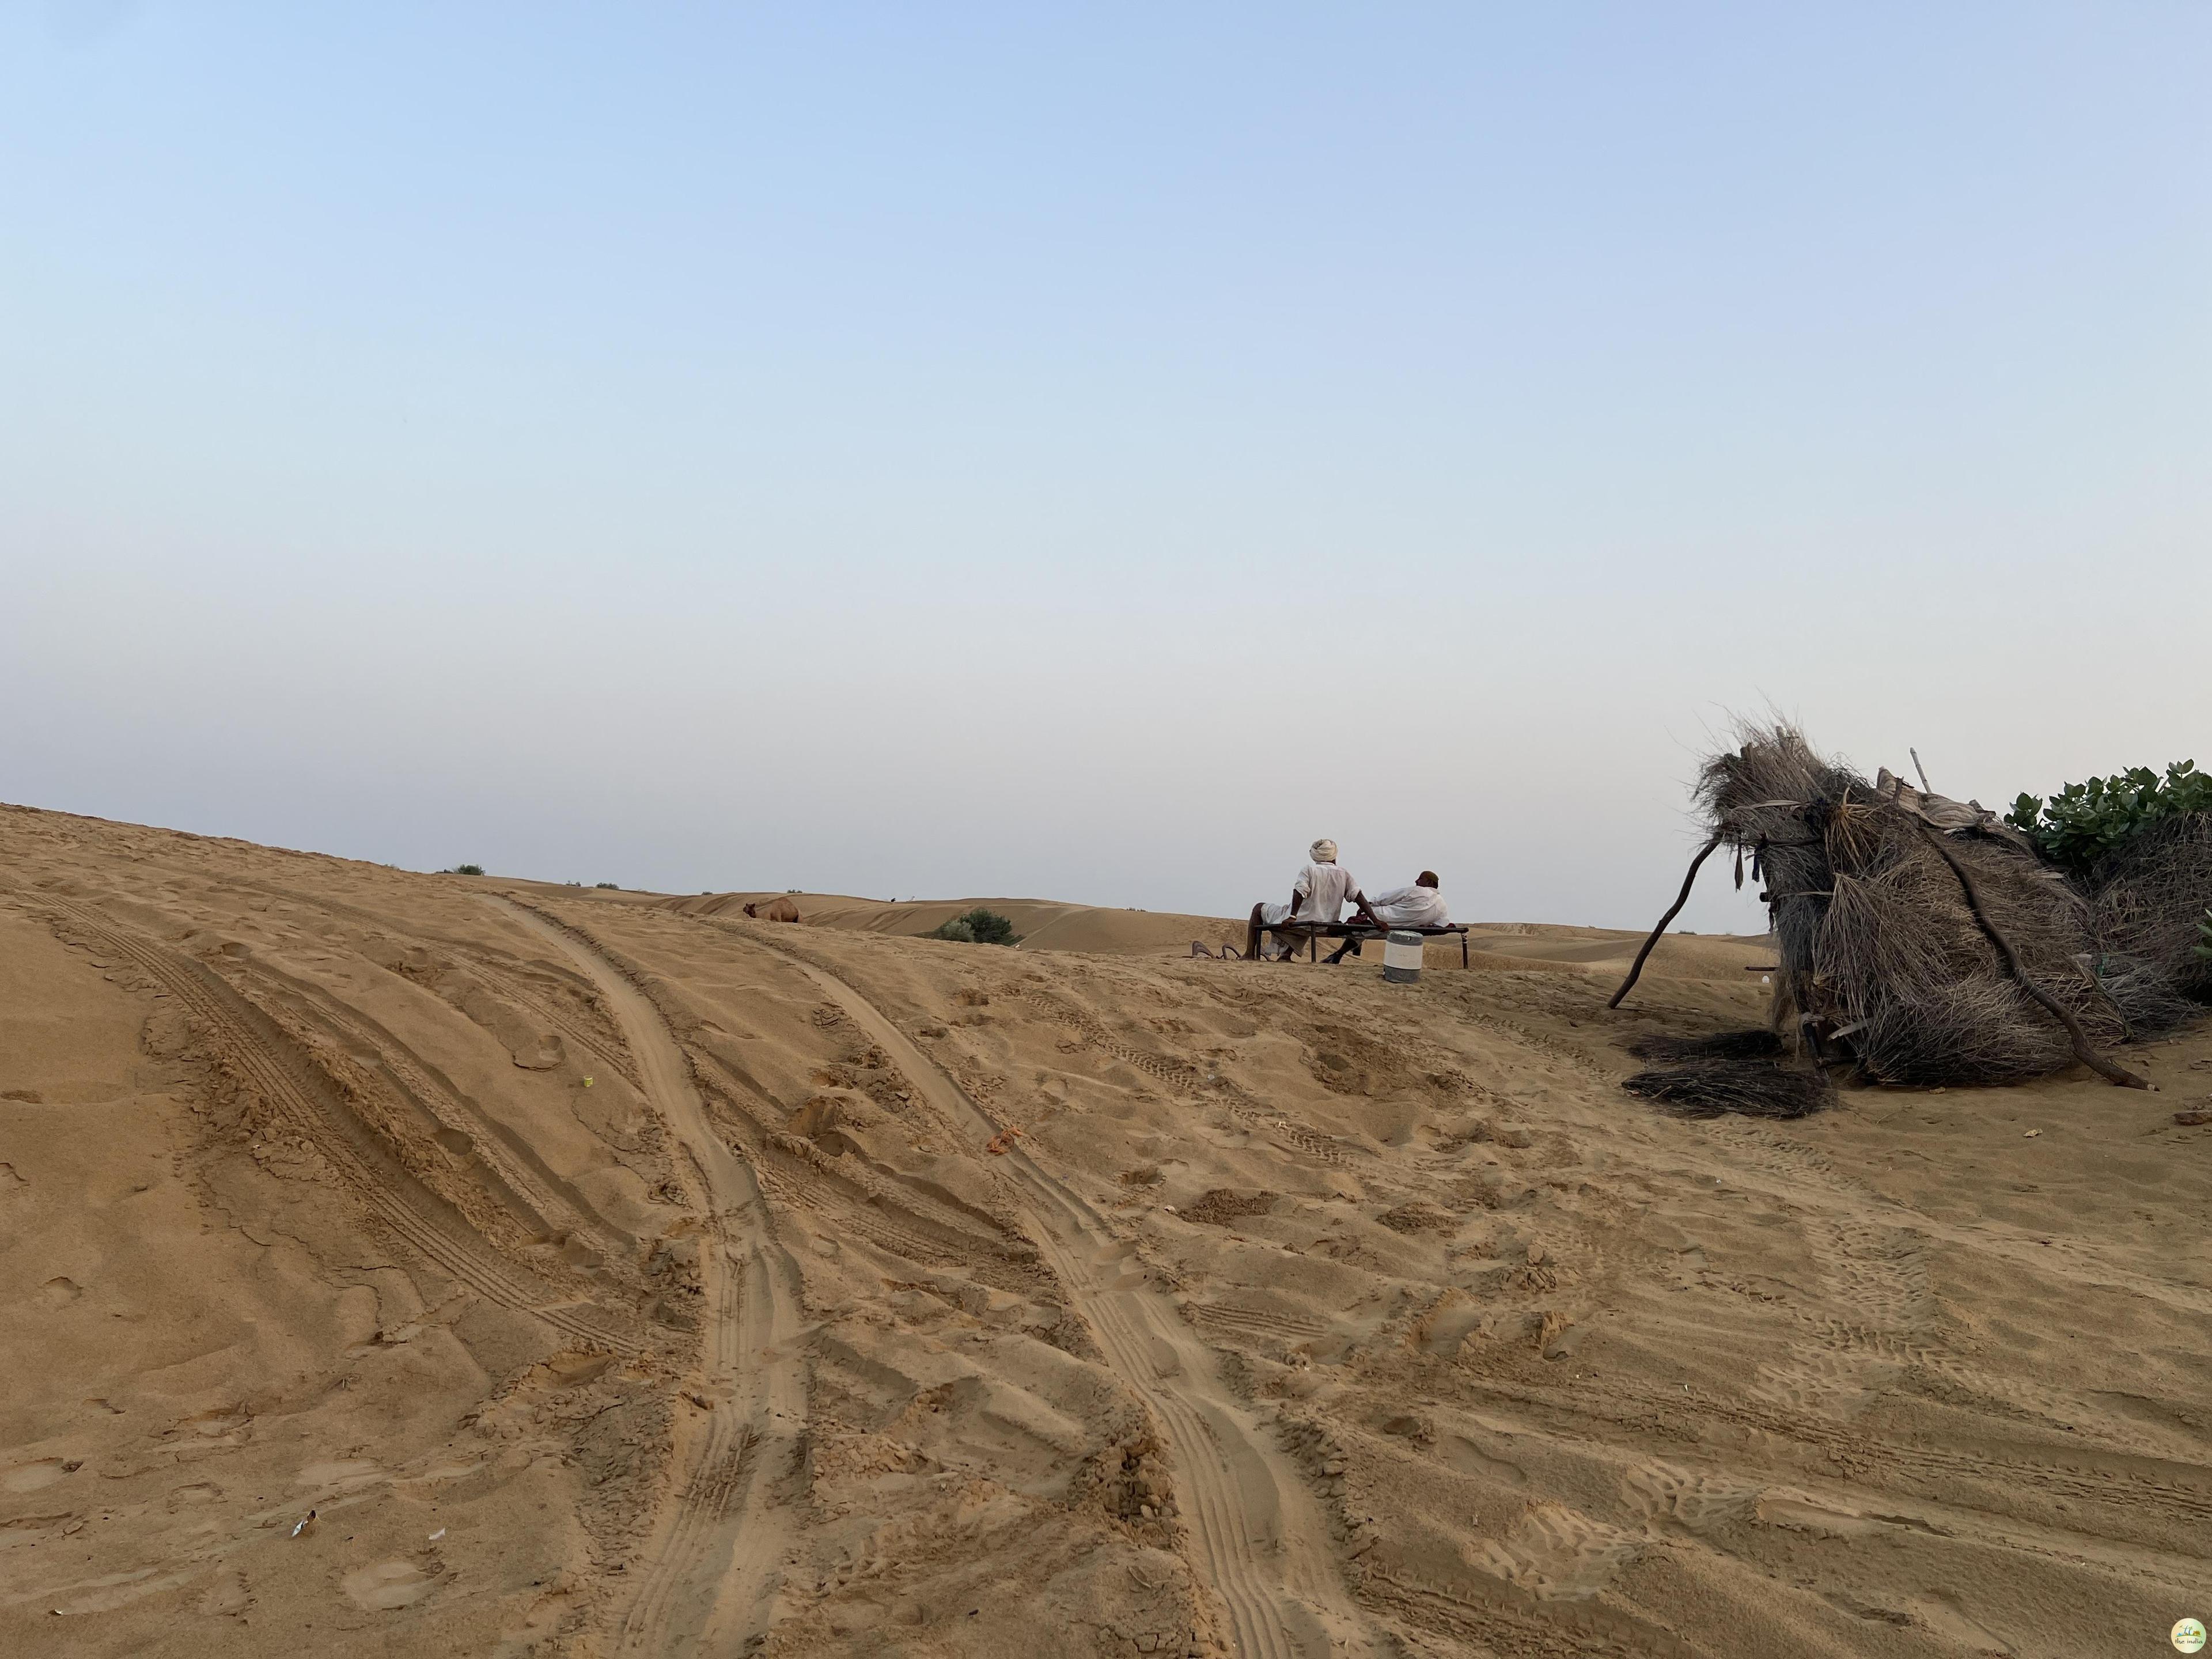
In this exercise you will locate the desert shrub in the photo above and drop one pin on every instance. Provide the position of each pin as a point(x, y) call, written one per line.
point(978, 927)
point(609, 886)
point(466, 870)
point(2082, 822)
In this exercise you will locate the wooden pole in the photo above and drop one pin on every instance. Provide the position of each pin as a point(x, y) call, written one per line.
point(1682, 899)
point(2088, 1056)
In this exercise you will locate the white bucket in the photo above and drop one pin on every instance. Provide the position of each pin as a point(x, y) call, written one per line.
point(1401, 957)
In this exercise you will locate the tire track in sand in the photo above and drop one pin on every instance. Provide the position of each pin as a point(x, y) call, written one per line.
point(714, 1561)
point(1260, 1537)
point(259, 1053)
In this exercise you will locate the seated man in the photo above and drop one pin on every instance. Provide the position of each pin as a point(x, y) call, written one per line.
point(1419, 906)
point(1317, 895)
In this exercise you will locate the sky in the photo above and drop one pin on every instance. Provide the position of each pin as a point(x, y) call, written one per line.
point(1088, 451)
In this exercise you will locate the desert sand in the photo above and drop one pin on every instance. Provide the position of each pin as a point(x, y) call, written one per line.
point(608, 1274)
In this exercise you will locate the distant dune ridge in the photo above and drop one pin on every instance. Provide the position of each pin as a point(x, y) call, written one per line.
point(1045, 925)
point(613, 1274)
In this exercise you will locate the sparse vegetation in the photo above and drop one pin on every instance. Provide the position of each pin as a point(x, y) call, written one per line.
point(978, 927)
point(2082, 822)
point(465, 870)
point(609, 886)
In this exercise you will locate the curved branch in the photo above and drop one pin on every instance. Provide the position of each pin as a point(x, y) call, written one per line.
point(1636, 968)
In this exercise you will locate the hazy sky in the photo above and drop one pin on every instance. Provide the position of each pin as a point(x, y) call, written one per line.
point(1089, 451)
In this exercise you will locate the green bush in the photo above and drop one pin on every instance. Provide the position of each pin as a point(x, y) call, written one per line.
point(978, 927)
point(468, 870)
point(2083, 821)
point(609, 886)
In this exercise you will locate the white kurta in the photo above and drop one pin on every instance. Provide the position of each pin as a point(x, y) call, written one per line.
point(1409, 907)
point(1321, 891)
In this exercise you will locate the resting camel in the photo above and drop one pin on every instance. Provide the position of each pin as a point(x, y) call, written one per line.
point(780, 910)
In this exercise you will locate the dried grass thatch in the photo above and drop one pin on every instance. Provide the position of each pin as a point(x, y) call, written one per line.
point(1755, 1044)
point(2151, 896)
point(1710, 1088)
point(1883, 957)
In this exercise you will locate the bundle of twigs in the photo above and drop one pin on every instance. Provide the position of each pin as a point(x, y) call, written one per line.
point(1711, 1088)
point(1755, 1044)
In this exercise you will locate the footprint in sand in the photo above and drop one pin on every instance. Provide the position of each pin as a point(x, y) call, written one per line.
point(227, 1598)
point(59, 1292)
point(353, 1471)
point(1464, 1454)
point(388, 1584)
point(212, 1424)
point(32, 1477)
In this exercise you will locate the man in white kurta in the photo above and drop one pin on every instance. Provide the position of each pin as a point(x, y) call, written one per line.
point(1419, 906)
point(1319, 894)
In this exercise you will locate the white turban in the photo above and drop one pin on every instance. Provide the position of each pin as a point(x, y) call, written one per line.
point(1323, 851)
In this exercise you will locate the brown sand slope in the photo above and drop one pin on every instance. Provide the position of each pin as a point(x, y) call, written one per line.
point(611, 1275)
point(1040, 924)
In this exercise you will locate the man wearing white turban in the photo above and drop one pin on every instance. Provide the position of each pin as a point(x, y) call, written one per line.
point(1318, 895)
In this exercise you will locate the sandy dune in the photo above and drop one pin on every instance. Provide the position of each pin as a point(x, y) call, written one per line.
point(1041, 924)
point(610, 1275)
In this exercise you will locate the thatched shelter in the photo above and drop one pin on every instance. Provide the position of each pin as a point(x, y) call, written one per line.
point(1928, 942)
